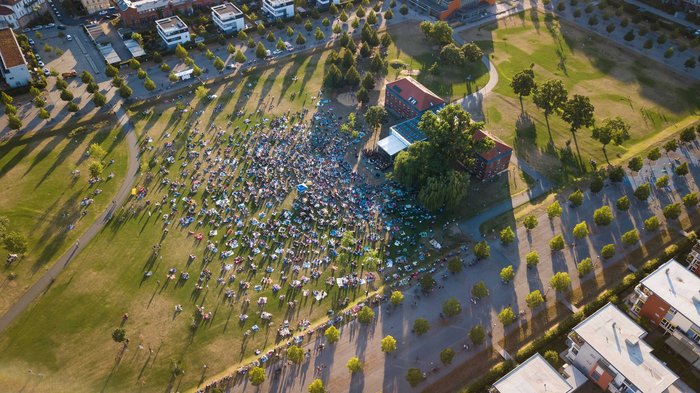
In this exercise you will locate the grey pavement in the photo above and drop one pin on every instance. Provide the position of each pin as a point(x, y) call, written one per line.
point(663, 14)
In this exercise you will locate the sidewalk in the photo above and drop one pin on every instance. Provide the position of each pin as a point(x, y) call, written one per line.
point(663, 14)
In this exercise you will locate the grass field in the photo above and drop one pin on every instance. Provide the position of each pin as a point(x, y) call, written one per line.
point(41, 198)
point(618, 83)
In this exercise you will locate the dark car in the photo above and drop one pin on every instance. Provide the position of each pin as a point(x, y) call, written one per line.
point(61, 27)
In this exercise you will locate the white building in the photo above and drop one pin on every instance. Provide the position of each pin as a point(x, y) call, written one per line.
point(13, 66)
point(173, 31)
point(608, 348)
point(670, 298)
point(228, 17)
point(536, 375)
point(18, 13)
point(278, 9)
point(326, 3)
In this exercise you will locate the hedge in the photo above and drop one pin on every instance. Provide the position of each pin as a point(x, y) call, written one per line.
point(564, 327)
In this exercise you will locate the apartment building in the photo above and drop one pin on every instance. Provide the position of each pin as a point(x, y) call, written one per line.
point(408, 98)
point(18, 13)
point(13, 66)
point(608, 348)
point(95, 6)
point(228, 17)
point(173, 31)
point(278, 9)
point(536, 375)
point(490, 163)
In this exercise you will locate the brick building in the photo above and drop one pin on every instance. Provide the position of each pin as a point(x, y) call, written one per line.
point(407, 98)
point(142, 13)
point(493, 161)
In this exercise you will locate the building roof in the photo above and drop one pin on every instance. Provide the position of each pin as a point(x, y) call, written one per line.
point(535, 375)
point(226, 11)
point(418, 95)
point(4, 11)
point(171, 23)
point(498, 149)
point(279, 3)
point(677, 286)
point(409, 130)
point(392, 144)
point(618, 340)
point(142, 5)
point(10, 52)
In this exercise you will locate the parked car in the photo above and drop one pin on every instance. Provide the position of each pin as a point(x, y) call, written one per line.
point(231, 66)
point(37, 57)
point(69, 37)
point(61, 27)
point(276, 52)
point(102, 13)
point(40, 63)
point(46, 72)
point(31, 41)
point(69, 74)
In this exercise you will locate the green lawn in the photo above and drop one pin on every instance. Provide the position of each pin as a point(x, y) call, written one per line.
point(412, 49)
point(41, 198)
point(642, 92)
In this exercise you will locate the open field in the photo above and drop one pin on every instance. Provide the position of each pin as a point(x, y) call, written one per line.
point(41, 198)
point(617, 82)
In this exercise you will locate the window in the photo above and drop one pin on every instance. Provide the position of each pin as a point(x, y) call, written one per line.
point(693, 335)
point(596, 374)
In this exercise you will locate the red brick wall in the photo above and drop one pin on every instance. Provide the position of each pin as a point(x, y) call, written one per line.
point(654, 309)
point(396, 104)
point(604, 379)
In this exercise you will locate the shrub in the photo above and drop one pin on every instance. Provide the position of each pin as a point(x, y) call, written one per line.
point(534, 299)
point(661, 39)
point(580, 230)
point(506, 316)
point(643, 191)
point(576, 198)
point(630, 237)
point(451, 307)
point(446, 355)
point(421, 326)
point(532, 259)
point(557, 243)
point(477, 334)
point(480, 290)
point(603, 216)
point(507, 274)
point(588, 9)
point(597, 183)
point(610, 28)
point(629, 36)
point(593, 20)
point(652, 223)
point(482, 249)
point(623, 203)
point(554, 210)
point(670, 251)
point(560, 281)
point(561, 6)
point(530, 222)
point(672, 211)
point(668, 53)
point(608, 251)
point(507, 235)
point(648, 44)
point(577, 13)
point(690, 200)
point(584, 267)
point(552, 357)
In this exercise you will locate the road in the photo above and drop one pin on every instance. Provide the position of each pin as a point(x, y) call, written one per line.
point(43, 283)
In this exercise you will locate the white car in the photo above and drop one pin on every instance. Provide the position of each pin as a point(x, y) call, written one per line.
point(213, 96)
point(41, 63)
point(46, 72)
point(69, 37)
point(102, 13)
point(276, 52)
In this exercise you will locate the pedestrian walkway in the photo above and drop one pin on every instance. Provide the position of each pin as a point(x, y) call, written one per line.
point(663, 14)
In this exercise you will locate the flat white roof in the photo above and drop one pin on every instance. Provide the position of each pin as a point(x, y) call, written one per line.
point(227, 11)
point(535, 375)
point(171, 24)
point(392, 145)
point(618, 340)
point(678, 287)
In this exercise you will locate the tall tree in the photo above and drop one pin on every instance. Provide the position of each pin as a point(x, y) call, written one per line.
point(550, 97)
point(578, 112)
point(523, 84)
point(614, 130)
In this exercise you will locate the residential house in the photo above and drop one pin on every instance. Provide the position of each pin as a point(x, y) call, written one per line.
point(536, 375)
point(608, 348)
point(228, 17)
point(142, 13)
point(670, 298)
point(18, 13)
point(407, 98)
point(278, 9)
point(493, 161)
point(173, 31)
point(13, 66)
point(95, 6)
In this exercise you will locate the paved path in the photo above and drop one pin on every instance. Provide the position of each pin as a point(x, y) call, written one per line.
point(662, 14)
point(41, 285)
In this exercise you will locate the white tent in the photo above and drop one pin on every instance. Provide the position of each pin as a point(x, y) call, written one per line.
point(392, 145)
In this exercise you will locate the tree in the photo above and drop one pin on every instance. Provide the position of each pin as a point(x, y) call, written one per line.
point(332, 335)
point(454, 265)
point(552, 357)
point(530, 222)
point(165, 67)
point(111, 71)
point(181, 52)
point(352, 77)
point(86, 77)
point(682, 169)
point(652, 223)
point(354, 365)
point(157, 57)
point(308, 26)
point(15, 242)
point(482, 250)
point(477, 334)
point(14, 122)
point(149, 84)
point(368, 81)
point(654, 154)
point(630, 237)
point(506, 316)
point(239, 57)
point(643, 191)
point(614, 130)
point(372, 18)
point(396, 298)
point(5, 98)
point(534, 299)
point(280, 44)
point(554, 210)
point(362, 96)
point(671, 145)
point(452, 54)
point(260, 51)
point(270, 37)
point(580, 230)
point(635, 164)
point(219, 63)
point(414, 376)
point(134, 64)
point(72, 107)
point(250, 43)
point(95, 169)
point(295, 354)
point(576, 198)
point(690, 200)
point(603, 216)
point(119, 335)
point(444, 191)
point(172, 77)
point(34, 92)
point(125, 91)
point(66, 95)
point(316, 386)
point(550, 97)
point(507, 274)
point(96, 151)
point(480, 290)
point(388, 344)
point(141, 74)
point(439, 32)
point(608, 251)
point(366, 315)
point(532, 259)
point(261, 28)
point(672, 211)
point(137, 37)
point(376, 115)
point(690, 62)
point(507, 235)
point(230, 48)
point(427, 282)
point(446, 355)
point(421, 326)
point(377, 65)
point(623, 203)
point(334, 77)
point(44, 114)
point(385, 40)
point(584, 267)
point(472, 53)
point(451, 307)
point(662, 181)
point(560, 281)
point(687, 135)
point(523, 83)
point(557, 243)
point(578, 112)
point(256, 376)
point(403, 10)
